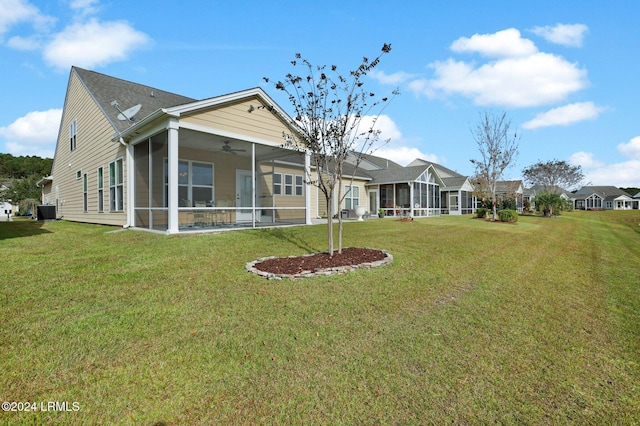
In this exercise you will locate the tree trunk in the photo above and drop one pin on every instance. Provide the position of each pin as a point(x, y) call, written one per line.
point(330, 224)
point(495, 209)
point(339, 216)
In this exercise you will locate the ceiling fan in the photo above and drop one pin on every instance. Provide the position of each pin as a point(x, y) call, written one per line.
point(227, 148)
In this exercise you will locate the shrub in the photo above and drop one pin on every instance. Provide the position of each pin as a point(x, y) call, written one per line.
point(481, 212)
point(508, 215)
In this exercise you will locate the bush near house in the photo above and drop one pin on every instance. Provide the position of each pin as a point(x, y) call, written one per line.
point(481, 212)
point(508, 215)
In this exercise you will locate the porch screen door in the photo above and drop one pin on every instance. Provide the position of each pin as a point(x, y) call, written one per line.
point(243, 195)
point(373, 202)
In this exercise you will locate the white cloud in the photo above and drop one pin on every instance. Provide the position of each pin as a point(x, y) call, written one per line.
point(623, 174)
point(404, 155)
point(84, 7)
point(520, 77)
point(395, 78)
point(514, 82)
point(93, 44)
point(33, 134)
point(585, 160)
point(631, 150)
point(24, 43)
point(19, 11)
point(570, 35)
point(506, 43)
point(565, 115)
point(396, 149)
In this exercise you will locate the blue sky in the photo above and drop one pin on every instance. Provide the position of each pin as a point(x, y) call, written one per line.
point(565, 72)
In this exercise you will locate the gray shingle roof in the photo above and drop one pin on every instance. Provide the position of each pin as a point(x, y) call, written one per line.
point(106, 89)
point(398, 174)
point(606, 192)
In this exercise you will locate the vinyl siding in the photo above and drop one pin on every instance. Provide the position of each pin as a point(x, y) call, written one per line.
point(234, 118)
point(93, 149)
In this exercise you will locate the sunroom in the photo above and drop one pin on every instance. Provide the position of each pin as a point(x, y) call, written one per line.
point(409, 191)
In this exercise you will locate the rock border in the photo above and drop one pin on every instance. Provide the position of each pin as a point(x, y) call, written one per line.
point(250, 267)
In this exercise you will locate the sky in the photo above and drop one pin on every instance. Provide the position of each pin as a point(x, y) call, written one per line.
point(565, 73)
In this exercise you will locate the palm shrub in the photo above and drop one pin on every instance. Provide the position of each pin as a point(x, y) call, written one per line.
point(547, 202)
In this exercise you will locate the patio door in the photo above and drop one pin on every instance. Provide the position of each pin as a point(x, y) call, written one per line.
point(244, 189)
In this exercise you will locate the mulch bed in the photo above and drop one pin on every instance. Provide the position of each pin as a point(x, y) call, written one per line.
point(295, 265)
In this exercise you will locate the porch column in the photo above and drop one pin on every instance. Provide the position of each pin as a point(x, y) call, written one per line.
point(131, 172)
point(253, 185)
point(307, 189)
point(411, 199)
point(172, 137)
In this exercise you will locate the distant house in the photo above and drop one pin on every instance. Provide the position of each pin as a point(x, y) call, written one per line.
point(511, 189)
point(603, 198)
point(135, 156)
point(529, 194)
point(7, 210)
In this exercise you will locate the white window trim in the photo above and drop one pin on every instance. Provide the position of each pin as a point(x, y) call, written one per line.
point(289, 186)
point(100, 189)
point(117, 202)
point(279, 191)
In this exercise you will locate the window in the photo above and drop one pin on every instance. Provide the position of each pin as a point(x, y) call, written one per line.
point(79, 174)
point(195, 183)
point(277, 184)
point(116, 186)
point(352, 197)
point(85, 195)
point(298, 185)
point(72, 135)
point(288, 184)
point(100, 189)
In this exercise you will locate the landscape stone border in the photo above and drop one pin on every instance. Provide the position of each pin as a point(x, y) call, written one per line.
point(250, 267)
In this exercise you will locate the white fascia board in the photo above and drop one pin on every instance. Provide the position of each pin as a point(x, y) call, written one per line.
point(232, 97)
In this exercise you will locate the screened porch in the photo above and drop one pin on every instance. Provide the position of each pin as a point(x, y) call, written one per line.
point(222, 183)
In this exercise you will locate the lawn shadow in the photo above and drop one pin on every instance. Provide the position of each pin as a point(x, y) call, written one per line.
point(21, 228)
point(280, 234)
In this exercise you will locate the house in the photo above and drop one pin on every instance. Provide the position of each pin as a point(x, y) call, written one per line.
point(136, 156)
point(602, 198)
point(529, 194)
point(7, 210)
point(131, 155)
point(511, 190)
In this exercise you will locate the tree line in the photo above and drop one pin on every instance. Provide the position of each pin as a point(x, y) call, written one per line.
point(24, 166)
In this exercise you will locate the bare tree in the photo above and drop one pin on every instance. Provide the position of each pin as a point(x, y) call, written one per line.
point(330, 109)
point(498, 149)
point(553, 175)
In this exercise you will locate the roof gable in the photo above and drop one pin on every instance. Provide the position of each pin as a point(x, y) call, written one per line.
point(106, 89)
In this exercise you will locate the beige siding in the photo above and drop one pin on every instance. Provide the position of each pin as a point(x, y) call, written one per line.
point(235, 118)
point(94, 149)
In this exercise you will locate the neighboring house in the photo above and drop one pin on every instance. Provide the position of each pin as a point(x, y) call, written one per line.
point(602, 198)
point(7, 210)
point(529, 194)
point(511, 189)
point(456, 190)
point(135, 156)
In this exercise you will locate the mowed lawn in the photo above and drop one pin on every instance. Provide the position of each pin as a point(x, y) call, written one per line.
point(473, 323)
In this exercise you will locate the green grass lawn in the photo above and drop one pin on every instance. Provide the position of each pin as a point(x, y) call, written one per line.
point(473, 323)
